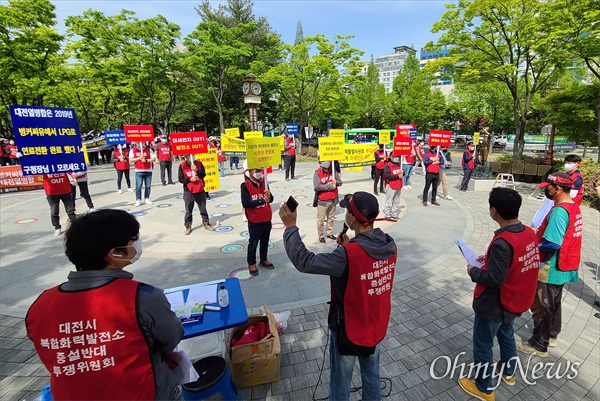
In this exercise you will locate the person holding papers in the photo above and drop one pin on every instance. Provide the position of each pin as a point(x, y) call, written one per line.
point(506, 285)
point(114, 332)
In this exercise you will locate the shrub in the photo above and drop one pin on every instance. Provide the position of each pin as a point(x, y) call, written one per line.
point(590, 170)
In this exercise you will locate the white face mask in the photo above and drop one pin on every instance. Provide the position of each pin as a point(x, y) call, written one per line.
point(396, 159)
point(12, 142)
point(164, 140)
point(137, 245)
point(570, 167)
point(258, 175)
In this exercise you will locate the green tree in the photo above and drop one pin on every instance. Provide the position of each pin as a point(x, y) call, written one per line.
point(368, 102)
point(506, 41)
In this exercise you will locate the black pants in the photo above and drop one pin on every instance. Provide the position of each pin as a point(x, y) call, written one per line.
point(168, 165)
point(290, 166)
point(464, 185)
point(53, 201)
point(85, 194)
point(189, 199)
point(120, 174)
point(431, 179)
point(378, 177)
point(258, 232)
point(94, 158)
point(546, 311)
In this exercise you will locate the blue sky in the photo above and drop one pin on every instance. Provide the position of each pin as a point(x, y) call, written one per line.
point(378, 26)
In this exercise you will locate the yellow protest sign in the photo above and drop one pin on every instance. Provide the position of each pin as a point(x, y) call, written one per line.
point(331, 149)
point(281, 143)
point(384, 137)
point(209, 159)
point(232, 146)
point(476, 138)
point(359, 154)
point(357, 169)
point(338, 134)
point(234, 132)
point(263, 152)
point(253, 134)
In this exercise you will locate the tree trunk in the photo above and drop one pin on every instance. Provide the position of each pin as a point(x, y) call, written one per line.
point(584, 149)
point(597, 109)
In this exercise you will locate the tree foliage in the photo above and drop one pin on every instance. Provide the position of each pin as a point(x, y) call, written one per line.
point(368, 103)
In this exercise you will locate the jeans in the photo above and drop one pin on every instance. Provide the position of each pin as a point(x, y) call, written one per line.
point(340, 375)
point(120, 174)
point(53, 201)
point(431, 179)
point(222, 167)
point(234, 160)
point(258, 232)
point(166, 165)
point(408, 168)
point(145, 178)
point(484, 331)
point(14, 161)
point(189, 199)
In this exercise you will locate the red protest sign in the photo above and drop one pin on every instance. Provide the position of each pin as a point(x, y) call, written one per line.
point(402, 145)
point(188, 143)
point(139, 133)
point(439, 138)
point(404, 129)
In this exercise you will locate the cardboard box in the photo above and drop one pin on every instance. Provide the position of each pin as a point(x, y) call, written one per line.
point(258, 362)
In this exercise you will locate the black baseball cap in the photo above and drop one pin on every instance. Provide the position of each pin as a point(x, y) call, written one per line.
point(363, 205)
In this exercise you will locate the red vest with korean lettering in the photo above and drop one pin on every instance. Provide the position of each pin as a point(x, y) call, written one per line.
point(290, 151)
point(56, 184)
point(220, 156)
point(197, 186)
point(164, 152)
point(262, 213)
point(432, 168)
point(121, 165)
point(518, 291)
point(107, 357)
point(367, 301)
point(569, 254)
point(135, 153)
point(395, 169)
point(381, 163)
point(471, 162)
point(410, 159)
point(13, 150)
point(327, 178)
point(579, 197)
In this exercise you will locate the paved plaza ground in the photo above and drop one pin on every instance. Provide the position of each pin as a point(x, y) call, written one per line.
point(431, 299)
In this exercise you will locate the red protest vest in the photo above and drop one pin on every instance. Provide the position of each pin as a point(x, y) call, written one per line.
point(135, 152)
point(471, 162)
point(262, 213)
point(410, 159)
point(367, 301)
point(380, 164)
point(327, 178)
point(91, 343)
point(395, 170)
point(421, 151)
point(569, 254)
point(197, 186)
point(164, 152)
point(290, 151)
point(579, 197)
point(56, 184)
point(518, 291)
point(432, 168)
point(220, 157)
point(12, 151)
point(121, 165)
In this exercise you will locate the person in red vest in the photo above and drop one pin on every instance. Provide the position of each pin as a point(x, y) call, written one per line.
point(361, 274)
point(143, 161)
point(256, 201)
point(102, 335)
point(505, 288)
point(408, 163)
point(420, 153)
point(3, 152)
point(431, 160)
point(572, 168)
point(289, 146)
point(393, 177)
point(560, 238)
point(13, 153)
point(121, 160)
point(165, 157)
point(380, 162)
point(468, 163)
point(192, 178)
point(325, 182)
point(58, 189)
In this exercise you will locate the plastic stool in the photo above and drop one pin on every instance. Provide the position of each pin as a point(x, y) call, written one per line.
point(505, 179)
point(215, 377)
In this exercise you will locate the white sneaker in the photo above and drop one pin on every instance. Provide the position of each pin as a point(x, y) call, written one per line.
point(408, 187)
point(92, 209)
point(244, 218)
point(57, 232)
point(138, 202)
point(148, 201)
point(448, 197)
point(130, 190)
point(120, 191)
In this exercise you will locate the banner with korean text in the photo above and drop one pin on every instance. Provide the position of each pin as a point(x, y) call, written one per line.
point(231, 146)
point(404, 129)
point(48, 138)
point(139, 133)
point(402, 146)
point(384, 137)
point(338, 134)
point(12, 180)
point(439, 138)
point(263, 152)
point(233, 132)
point(331, 148)
point(253, 134)
point(359, 154)
point(211, 165)
point(188, 143)
point(116, 137)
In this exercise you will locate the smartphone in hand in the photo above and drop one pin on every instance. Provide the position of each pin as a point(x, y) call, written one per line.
point(292, 204)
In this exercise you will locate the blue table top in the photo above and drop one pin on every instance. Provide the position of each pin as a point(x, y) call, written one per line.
point(230, 316)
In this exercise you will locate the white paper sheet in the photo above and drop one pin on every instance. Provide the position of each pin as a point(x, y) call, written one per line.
point(202, 294)
point(184, 371)
point(542, 212)
point(468, 253)
point(175, 298)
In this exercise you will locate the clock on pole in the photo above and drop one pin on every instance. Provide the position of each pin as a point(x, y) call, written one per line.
point(252, 91)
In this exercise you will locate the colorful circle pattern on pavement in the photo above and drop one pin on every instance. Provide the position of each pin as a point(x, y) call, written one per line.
point(271, 245)
point(163, 205)
point(301, 197)
point(223, 229)
point(26, 221)
point(241, 274)
point(281, 187)
point(278, 226)
point(223, 205)
point(216, 215)
point(232, 248)
point(193, 210)
point(245, 234)
point(140, 213)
